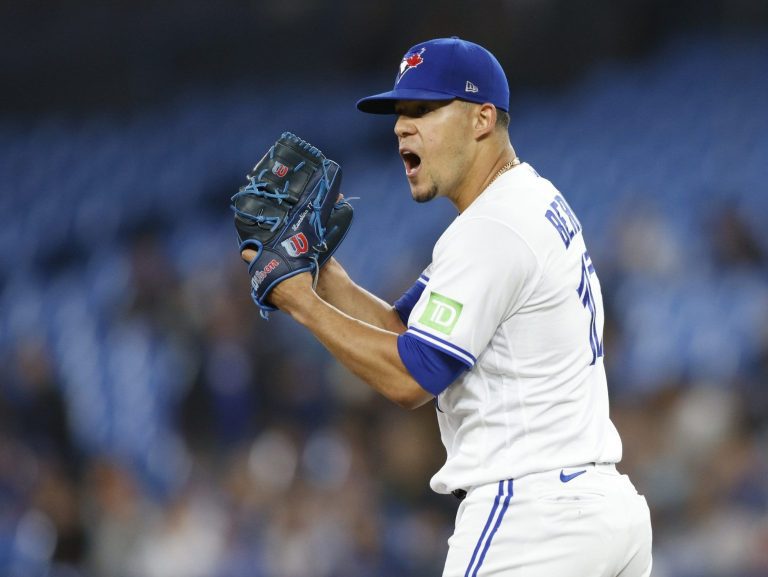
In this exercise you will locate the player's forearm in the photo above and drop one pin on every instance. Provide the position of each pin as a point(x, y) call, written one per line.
point(338, 289)
point(368, 351)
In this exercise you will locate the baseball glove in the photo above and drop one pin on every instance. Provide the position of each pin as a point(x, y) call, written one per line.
point(290, 213)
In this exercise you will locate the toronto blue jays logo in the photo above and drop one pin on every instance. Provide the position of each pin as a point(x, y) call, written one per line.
point(410, 60)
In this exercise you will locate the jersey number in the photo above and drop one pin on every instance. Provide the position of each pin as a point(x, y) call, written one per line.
point(587, 296)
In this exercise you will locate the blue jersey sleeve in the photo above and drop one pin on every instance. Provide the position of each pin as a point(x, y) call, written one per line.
point(432, 368)
point(404, 305)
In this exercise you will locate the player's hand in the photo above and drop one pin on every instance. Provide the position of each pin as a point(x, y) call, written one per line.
point(292, 292)
point(288, 291)
point(248, 255)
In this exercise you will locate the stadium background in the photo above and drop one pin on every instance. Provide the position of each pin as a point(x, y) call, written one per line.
point(151, 425)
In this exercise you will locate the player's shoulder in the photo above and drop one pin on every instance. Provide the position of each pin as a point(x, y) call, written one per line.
point(512, 210)
point(478, 234)
point(517, 198)
point(515, 191)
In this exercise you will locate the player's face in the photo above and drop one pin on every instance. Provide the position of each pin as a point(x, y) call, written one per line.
point(432, 136)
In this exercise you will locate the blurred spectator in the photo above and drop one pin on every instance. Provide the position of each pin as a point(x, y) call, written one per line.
point(735, 245)
point(117, 514)
point(31, 403)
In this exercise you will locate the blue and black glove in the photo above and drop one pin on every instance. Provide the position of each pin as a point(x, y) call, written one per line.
point(290, 213)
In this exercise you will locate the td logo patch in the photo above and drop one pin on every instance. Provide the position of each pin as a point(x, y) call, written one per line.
point(441, 313)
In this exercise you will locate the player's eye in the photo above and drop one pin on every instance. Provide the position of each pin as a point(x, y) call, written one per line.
point(415, 109)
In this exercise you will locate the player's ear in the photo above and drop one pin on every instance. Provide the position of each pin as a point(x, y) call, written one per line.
point(484, 119)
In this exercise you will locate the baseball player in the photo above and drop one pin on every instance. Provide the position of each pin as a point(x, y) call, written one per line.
point(503, 330)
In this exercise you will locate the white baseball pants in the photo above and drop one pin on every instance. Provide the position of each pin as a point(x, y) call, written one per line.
point(585, 521)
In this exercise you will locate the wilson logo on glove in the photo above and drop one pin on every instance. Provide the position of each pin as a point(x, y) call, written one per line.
point(296, 245)
point(260, 275)
point(280, 169)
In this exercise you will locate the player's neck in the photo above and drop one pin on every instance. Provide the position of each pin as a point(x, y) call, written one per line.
point(486, 172)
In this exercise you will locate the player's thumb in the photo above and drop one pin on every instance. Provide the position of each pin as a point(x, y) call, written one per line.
point(248, 254)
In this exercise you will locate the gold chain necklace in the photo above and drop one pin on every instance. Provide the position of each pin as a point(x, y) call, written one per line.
point(514, 162)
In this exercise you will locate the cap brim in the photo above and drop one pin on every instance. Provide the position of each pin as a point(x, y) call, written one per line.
point(384, 103)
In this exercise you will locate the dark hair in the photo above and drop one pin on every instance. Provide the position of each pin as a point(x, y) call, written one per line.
point(502, 116)
point(502, 119)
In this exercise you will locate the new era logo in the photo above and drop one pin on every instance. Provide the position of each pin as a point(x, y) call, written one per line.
point(471, 87)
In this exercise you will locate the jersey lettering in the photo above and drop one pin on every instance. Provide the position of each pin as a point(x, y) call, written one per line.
point(563, 219)
point(558, 224)
point(586, 294)
point(569, 213)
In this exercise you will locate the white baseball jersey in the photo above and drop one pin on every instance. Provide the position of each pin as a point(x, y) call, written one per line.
point(511, 291)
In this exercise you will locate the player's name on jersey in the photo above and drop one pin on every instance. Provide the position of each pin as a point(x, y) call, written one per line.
point(563, 219)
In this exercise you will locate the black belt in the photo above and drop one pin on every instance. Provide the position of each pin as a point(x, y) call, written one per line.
point(460, 494)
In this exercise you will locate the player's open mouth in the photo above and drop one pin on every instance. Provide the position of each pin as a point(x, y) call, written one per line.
point(412, 162)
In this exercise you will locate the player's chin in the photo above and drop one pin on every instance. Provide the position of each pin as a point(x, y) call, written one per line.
point(424, 194)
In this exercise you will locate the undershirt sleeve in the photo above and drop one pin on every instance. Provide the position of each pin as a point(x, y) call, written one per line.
point(404, 305)
point(432, 368)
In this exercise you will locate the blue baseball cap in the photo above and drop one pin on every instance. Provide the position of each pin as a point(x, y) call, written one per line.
point(444, 69)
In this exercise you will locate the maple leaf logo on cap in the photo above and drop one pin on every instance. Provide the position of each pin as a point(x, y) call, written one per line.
point(410, 60)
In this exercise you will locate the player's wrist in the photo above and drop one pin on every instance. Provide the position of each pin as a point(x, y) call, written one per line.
point(305, 308)
point(294, 295)
point(331, 279)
